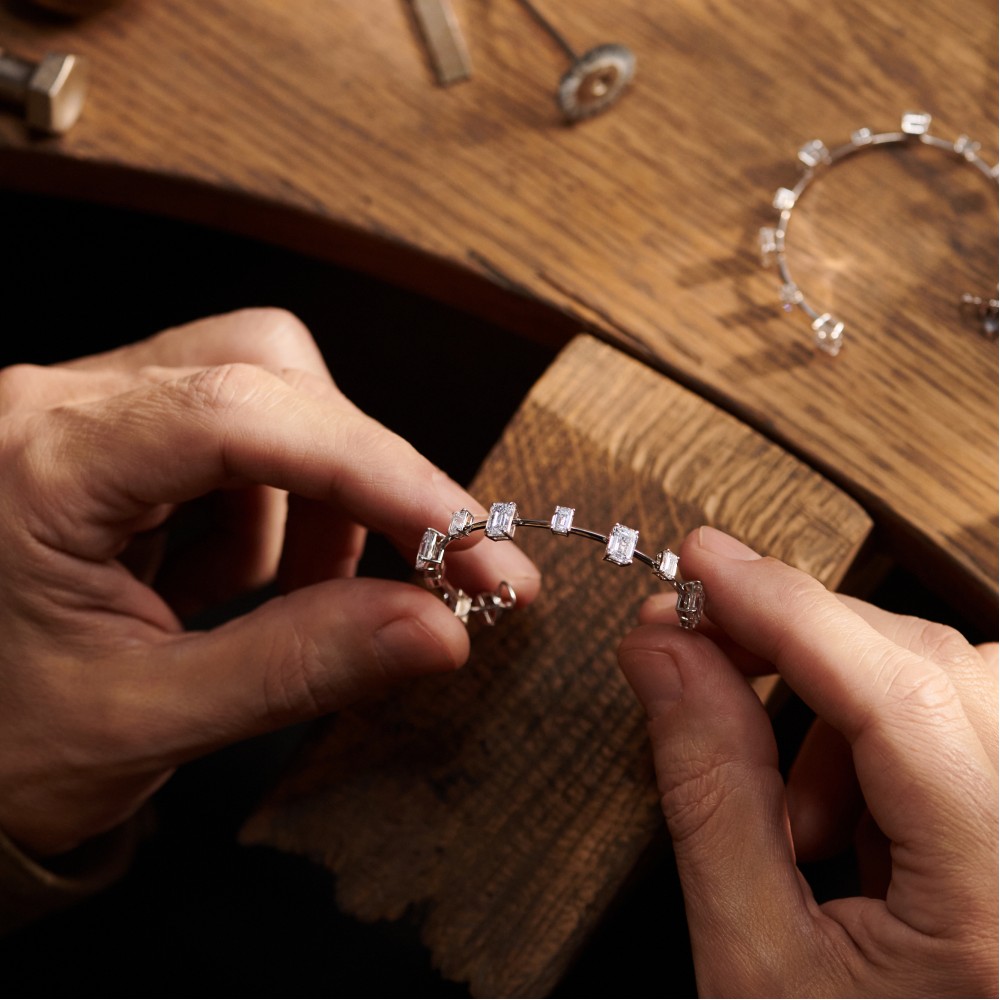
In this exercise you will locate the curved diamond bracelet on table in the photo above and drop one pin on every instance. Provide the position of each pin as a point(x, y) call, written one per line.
point(620, 549)
point(814, 157)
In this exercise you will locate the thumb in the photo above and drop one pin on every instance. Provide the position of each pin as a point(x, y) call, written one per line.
point(723, 799)
point(294, 658)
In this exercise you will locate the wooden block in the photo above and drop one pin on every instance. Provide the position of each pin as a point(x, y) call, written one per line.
point(508, 803)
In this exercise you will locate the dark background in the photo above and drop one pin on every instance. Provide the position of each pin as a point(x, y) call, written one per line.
point(198, 913)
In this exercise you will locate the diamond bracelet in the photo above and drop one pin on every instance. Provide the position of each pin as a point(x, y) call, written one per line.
point(814, 157)
point(620, 548)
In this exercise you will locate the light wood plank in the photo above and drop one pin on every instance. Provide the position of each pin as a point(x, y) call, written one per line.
point(508, 803)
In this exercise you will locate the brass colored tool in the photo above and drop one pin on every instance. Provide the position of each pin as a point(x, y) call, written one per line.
point(444, 40)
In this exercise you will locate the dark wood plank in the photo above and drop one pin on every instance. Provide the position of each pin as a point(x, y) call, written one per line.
point(508, 803)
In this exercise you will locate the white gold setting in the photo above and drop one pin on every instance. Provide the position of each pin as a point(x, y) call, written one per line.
point(562, 520)
point(815, 157)
point(499, 525)
point(431, 551)
point(461, 523)
point(667, 565)
point(621, 545)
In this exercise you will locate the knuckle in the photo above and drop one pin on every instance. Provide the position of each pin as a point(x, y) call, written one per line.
point(19, 386)
point(917, 687)
point(280, 336)
point(695, 792)
point(224, 387)
point(297, 683)
point(803, 598)
point(944, 643)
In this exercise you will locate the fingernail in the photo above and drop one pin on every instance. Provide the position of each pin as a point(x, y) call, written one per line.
point(406, 647)
point(658, 609)
point(721, 544)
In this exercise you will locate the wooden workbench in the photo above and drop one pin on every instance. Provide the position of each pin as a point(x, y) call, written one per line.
point(319, 126)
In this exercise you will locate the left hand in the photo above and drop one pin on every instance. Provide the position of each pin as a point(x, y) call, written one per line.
point(203, 428)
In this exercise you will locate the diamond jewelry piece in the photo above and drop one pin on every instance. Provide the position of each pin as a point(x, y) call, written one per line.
point(620, 548)
point(461, 523)
point(815, 157)
point(813, 153)
point(791, 295)
point(966, 148)
point(691, 603)
point(500, 524)
point(915, 122)
point(562, 520)
point(621, 545)
point(768, 245)
point(431, 551)
point(667, 564)
point(784, 199)
point(829, 333)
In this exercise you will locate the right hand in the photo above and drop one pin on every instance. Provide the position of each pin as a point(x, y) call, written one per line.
point(910, 724)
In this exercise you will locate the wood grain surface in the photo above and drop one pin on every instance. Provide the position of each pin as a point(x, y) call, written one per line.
point(318, 124)
point(508, 803)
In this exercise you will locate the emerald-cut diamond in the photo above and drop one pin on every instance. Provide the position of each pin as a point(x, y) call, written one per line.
point(916, 122)
point(790, 295)
point(461, 522)
point(829, 333)
point(964, 146)
point(784, 199)
point(621, 545)
point(813, 153)
point(768, 245)
point(861, 137)
point(690, 603)
point(562, 520)
point(431, 551)
point(667, 563)
point(500, 523)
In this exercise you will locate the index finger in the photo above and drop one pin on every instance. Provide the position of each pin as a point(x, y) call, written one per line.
point(273, 338)
point(165, 443)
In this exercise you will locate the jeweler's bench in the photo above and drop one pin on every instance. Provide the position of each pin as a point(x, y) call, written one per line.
point(319, 127)
point(323, 128)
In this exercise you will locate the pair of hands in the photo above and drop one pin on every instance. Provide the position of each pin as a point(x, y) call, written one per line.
point(234, 425)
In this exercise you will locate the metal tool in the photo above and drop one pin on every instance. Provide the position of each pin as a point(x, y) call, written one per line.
point(444, 40)
point(50, 93)
point(594, 80)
